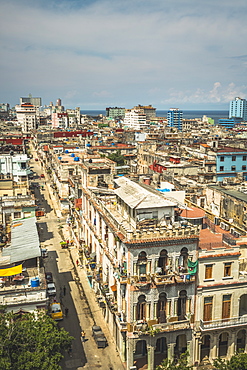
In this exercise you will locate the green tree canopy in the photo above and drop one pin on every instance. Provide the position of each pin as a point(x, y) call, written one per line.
point(180, 364)
point(117, 157)
point(31, 342)
point(237, 362)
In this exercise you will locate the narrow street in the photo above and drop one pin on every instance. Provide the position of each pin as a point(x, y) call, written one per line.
point(70, 292)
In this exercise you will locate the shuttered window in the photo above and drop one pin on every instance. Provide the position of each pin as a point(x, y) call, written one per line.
point(208, 271)
point(208, 309)
point(226, 306)
point(227, 269)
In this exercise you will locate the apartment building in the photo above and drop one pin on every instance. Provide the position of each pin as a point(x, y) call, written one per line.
point(15, 166)
point(28, 117)
point(143, 265)
point(230, 162)
point(221, 307)
point(135, 119)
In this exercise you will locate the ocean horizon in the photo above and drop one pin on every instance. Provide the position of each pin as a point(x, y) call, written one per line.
point(187, 114)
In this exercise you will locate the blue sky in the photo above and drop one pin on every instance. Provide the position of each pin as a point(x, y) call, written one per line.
point(190, 54)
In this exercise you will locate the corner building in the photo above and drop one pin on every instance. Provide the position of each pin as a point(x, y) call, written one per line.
point(142, 263)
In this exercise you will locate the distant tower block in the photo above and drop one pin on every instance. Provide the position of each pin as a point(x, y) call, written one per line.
point(59, 103)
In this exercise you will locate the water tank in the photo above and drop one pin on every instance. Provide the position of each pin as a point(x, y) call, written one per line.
point(60, 158)
point(35, 282)
point(66, 151)
point(76, 159)
point(72, 154)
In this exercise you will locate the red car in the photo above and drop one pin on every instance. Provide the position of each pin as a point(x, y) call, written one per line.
point(36, 159)
point(42, 175)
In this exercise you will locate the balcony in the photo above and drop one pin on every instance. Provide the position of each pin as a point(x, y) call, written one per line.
point(142, 281)
point(139, 329)
point(222, 323)
point(174, 278)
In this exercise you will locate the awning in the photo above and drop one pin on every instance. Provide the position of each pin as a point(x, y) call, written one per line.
point(11, 271)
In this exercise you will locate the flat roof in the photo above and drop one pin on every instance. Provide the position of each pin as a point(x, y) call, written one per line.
point(24, 241)
point(138, 197)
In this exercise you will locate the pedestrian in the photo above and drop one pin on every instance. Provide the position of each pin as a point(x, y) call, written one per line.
point(70, 351)
point(77, 262)
point(64, 290)
point(66, 312)
point(83, 336)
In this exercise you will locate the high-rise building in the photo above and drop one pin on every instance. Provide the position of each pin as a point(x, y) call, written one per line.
point(115, 112)
point(238, 109)
point(34, 101)
point(135, 119)
point(28, 116)
point(174, 118)
point(148, 110)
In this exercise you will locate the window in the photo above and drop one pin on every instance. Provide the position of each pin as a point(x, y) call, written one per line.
point(227, 269)
point(208, 309)
point(233, 158)
point(208, 271)
point(17, 214)
point(233, 168)
point(221, 168)
point(243, 168)
point(226, 306)
point(23, 165)
point(244, 157)
point(222, 159)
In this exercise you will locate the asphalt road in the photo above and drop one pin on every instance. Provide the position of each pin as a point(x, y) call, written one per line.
point(69, 290)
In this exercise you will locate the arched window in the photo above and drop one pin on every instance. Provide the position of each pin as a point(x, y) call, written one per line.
point(182, 261)
point(163, 262)
point(161, 307)
point(182, 305)
point(142, 263)
point(223, 344)
point(205, 346)
point(241, 341)
point(141, 308)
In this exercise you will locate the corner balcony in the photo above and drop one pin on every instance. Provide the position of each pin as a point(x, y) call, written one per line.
point(223, 323)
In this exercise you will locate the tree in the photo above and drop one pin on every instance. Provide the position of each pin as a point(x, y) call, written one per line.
point(117, 157)
point(180, 364)
point(31, 342)
point(237, 362)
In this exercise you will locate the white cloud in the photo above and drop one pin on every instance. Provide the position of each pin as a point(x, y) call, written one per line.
point(125, 51)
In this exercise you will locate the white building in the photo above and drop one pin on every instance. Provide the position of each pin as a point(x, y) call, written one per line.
point(15, 166)
point(135, 119)
point(59, 120)
point(27, 116)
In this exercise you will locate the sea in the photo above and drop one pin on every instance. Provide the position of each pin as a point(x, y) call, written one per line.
point(187, 114)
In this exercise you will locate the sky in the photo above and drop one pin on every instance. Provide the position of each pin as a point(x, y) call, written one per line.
point(93, 54)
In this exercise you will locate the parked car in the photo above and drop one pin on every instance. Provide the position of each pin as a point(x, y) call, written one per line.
point(42, 175)
point(48, 277)
point(56, 311)
point(44, 252)
point(99, 336)
point(36, 159)
point(51, 289)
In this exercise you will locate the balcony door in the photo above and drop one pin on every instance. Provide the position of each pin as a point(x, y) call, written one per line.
point(208, 309)
point(226, 307)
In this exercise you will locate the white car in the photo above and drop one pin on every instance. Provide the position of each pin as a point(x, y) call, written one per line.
point(51, 289)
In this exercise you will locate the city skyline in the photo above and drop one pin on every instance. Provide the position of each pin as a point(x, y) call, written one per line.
point(95, 54)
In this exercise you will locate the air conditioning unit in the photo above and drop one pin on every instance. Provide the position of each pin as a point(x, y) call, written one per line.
point(222, 225)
